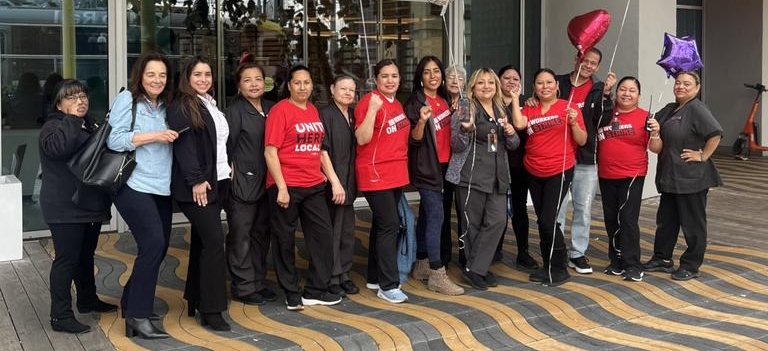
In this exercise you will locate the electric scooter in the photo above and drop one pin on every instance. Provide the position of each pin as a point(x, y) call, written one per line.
point(747, 140)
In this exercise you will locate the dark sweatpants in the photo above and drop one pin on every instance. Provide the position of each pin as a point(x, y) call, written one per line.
point(547, 194)
point(309, 205)
point(686, 211)
point(247, 244)
point(621, 208)
point(74, 244)
point(382, 246)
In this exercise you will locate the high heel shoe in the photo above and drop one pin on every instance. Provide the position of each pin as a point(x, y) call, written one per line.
point(144, 328)
point(214, 321)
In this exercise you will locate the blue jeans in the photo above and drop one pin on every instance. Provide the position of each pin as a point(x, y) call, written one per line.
point(430, 224)
point(582, 192)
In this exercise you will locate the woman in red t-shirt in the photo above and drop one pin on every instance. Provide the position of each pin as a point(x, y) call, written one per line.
point(554, 129)
point(296, 188)
point(382, 129)
point(622, 165)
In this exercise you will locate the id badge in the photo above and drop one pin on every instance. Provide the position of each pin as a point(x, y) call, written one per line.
point(493, 141)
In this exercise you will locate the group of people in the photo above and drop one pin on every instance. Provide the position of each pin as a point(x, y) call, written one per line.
point(269, 165)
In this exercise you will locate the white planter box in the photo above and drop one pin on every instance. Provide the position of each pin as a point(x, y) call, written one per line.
point(10, 218)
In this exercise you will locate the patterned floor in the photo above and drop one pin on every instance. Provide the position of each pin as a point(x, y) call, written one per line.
point(725, 309)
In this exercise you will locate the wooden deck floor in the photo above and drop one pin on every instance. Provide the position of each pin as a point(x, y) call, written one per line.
point(725, 309)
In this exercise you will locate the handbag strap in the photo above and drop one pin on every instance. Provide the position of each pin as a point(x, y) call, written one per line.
point(133, 115)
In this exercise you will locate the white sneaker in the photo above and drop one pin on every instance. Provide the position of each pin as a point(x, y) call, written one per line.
point(372, 286)
point(392, 295)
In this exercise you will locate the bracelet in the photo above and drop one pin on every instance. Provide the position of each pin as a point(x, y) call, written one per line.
point(701, 156)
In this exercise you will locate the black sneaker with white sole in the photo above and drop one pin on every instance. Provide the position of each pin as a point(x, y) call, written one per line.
point(633, 275)
point(613, 270)
point(293, 301)
point(322, 299)
point(580, 264)
point(659, 265)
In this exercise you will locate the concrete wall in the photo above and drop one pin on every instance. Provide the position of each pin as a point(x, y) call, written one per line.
point(638, 50)
point(733, 56)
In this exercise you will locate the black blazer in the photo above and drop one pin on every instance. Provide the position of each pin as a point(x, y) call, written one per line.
point(64, 199)
point(424, 167)
point(194, 154)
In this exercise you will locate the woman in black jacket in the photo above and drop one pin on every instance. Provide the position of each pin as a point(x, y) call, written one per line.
point(429, 150)
point(74, 212)
point(247, 207)
point(199, 184)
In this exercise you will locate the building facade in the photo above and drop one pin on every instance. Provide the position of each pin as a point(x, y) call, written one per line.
point(98, 41)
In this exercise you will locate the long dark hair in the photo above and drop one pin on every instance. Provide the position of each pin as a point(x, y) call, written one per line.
point(442, 91)
point(66, 88)
point(189, 103)
point(137, 74)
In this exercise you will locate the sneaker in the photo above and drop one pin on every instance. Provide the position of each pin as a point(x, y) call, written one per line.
point(490, 280)
point(322, 299)
point(421, 270)
point(580, 264)
point(267, 294)
point(611, 270)
point(558, 278)
point(659, 265)
point(349, 287)
point(538, 276)
point(525, 262)
point(439, 282)
point(633, 275)
point(293, 301)
point(251, 299)
point(475, 280)
point(684, 274)
point(372, 286)
point(336, 289)
point(392, 295)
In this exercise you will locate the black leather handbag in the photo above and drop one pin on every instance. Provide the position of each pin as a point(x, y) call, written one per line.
point(98, 166)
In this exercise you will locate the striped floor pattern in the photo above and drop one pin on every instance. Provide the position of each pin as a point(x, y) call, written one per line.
point(725, 309)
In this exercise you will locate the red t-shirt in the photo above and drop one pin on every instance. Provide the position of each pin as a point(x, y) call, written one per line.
point(383, 163)
point(441, 114)
point(580, 92)
point(544, 147)
point(622, 146)
point(298, 135)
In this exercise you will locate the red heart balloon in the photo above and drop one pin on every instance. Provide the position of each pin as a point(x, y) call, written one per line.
point(586, 30)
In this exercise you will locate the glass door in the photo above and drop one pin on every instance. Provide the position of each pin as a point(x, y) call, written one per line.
point(41, 43)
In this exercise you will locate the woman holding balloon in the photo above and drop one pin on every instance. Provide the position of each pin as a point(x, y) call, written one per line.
point(688, 136)
point(555, 130)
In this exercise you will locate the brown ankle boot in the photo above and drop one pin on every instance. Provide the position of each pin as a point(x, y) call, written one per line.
point(420, 270)
point(439, 282)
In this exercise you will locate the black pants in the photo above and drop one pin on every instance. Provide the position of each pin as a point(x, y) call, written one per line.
point(518, 201)
point(206, 286)
point(621, 208)
point(247, 244)
point(149, 218)
point(686, 211)
point(547, 194)
point(382, 246)
point(309, 205)
point(75, 244)
point(343, 218)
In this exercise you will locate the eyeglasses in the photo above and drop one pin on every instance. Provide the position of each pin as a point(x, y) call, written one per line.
point(73, 98)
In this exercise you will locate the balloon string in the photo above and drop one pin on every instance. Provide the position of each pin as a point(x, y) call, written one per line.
point(450, 50)
point(621, 29)
point(365, 38)
point(666, 81)
point(575, 84)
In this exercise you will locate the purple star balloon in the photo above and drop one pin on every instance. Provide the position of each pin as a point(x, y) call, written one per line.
point(679, 55)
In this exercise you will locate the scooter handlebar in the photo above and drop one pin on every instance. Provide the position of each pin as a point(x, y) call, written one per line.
point(757, 86)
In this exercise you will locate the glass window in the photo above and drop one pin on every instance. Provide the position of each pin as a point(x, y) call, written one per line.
point(31, 63)
point(334, 37)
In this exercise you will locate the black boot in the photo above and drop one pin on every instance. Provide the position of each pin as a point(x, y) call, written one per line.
point(144, 328)
point(69, 325)
point(96, 306)
point(558, 273)
point(214, 321)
